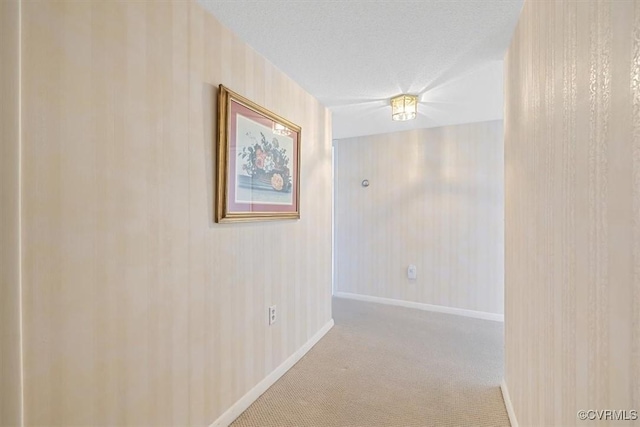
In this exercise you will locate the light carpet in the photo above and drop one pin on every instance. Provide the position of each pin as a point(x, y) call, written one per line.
point(390, 366)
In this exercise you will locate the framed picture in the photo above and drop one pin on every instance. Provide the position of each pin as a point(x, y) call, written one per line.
point(258, 159)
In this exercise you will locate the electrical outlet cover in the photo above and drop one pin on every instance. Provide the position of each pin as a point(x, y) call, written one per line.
point(412, 272)
point(272, 315)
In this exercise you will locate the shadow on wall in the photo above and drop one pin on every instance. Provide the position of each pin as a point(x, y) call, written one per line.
point(447, 179)
point(209, 123)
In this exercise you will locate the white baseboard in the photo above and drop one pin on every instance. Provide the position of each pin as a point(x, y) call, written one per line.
point(245, 401)
point(421, 306)
point(507, 404)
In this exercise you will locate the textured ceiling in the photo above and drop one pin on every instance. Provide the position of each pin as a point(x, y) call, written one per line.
point(355, 55)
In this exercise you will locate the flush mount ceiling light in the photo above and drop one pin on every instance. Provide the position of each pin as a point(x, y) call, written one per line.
point(404, 107)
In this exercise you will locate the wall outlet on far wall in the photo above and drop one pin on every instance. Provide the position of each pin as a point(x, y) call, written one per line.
point(272, 315)
point(412, 272)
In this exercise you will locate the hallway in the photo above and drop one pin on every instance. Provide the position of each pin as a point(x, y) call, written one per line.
point(391, 366)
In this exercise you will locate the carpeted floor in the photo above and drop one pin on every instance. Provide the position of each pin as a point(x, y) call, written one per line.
point(390, 366)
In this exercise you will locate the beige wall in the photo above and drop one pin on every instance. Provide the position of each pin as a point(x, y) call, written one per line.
point(435, 200)
point(572, 162)
point(9, 193)
point(138, 308)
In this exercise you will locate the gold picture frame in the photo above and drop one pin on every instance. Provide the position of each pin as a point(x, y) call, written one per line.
point(258, 162)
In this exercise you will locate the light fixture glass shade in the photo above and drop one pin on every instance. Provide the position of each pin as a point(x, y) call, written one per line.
point(279, 129)
point(404, 107)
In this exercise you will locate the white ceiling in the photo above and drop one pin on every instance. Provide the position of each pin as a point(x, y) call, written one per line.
point(353, 55)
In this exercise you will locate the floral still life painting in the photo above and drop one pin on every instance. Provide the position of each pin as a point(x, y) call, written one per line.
point(258, 162)
point(264, 167)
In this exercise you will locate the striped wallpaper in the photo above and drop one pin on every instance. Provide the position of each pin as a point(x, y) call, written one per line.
point(435, 200)
point(138, 308)
point(572, 161)
point(9, 193)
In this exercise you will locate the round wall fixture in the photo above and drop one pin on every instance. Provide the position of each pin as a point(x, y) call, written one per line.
point(365, 182)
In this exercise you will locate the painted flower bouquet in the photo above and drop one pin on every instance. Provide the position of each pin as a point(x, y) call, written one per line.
point(267, 164)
